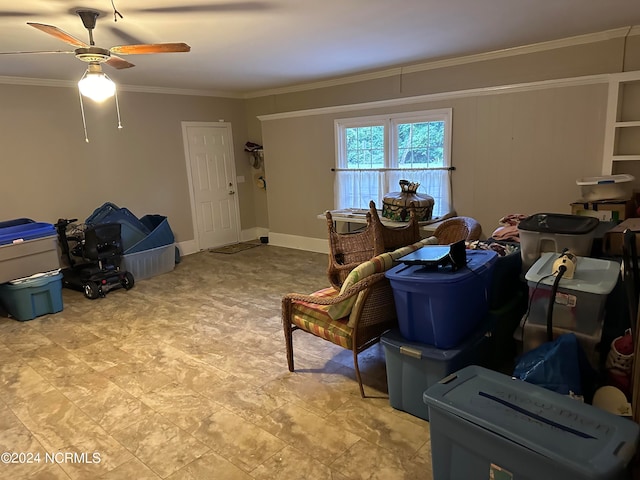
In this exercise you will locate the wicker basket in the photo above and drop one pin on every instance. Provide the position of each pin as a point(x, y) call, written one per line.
point(395, 205)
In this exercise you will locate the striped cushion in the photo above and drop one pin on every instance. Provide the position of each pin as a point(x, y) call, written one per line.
point(314, 319)
point(377, 264)
point(380, 263)
point(313, 309)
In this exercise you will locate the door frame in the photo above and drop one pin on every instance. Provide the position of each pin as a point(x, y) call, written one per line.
point(185, 142)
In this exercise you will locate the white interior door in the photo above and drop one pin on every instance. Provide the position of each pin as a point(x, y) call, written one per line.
point(212, 179)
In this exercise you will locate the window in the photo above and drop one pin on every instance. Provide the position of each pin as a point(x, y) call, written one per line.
point(374, 153)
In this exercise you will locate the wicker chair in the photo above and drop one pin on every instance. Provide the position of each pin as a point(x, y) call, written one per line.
point(372, 315)
point(353, 317)
point(393, 238)
point(348, 250)
point(457, 228)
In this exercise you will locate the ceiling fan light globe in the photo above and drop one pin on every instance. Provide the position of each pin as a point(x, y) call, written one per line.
point(96, 86)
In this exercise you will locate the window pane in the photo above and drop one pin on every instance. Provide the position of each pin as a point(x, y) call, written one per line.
point(436, 134)
point(420, 144)
point(365, 147)
point(436, 157)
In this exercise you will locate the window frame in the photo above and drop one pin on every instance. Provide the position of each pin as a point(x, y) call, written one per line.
point(390, 122)
point(352, 185)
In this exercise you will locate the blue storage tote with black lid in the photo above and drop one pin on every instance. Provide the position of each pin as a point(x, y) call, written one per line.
point(488, 425)
point(441, 306)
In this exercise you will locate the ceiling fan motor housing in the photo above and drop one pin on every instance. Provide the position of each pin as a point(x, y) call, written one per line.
point(89, 18)
point(92, 54)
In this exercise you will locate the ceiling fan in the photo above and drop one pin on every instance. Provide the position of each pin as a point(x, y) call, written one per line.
point(95, 84)
point(96, 55)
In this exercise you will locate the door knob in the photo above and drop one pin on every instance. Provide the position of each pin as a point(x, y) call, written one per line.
point(231, 192)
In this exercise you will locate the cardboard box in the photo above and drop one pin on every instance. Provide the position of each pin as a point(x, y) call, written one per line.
point(605, 211)
point(614, 239)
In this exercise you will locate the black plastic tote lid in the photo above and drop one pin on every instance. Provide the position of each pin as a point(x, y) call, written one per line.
point(559, 223)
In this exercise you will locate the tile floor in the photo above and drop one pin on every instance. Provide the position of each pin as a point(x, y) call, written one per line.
point(185, 377)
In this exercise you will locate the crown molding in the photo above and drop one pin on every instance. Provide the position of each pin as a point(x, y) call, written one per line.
point(36, 82)
point(522, 50)
point(449, 62)
point(389, 72)
point(475, 92)
point(43, 82)
point(179, 91)
point(362, 77)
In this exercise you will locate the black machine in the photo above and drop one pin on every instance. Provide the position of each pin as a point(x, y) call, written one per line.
point(94, 254)
point(433, 256)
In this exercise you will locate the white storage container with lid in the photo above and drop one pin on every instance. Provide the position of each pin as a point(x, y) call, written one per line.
point(608, 187)
point(553, 232)
point(580, 301)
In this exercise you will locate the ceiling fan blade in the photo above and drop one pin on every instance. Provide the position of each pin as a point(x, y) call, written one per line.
point(37, 51)
point(220, 7)
point(59, 34)
point(150, 48)
point(118, 63)
point(14, 13)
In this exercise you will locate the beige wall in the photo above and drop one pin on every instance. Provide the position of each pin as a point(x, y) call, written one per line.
point(513, 151)
point(517, 152)
point(48, 171)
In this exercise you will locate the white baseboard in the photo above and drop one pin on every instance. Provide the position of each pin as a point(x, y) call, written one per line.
point(317, 245)
point(187, 247)
point(253, 234)
point(299, 243)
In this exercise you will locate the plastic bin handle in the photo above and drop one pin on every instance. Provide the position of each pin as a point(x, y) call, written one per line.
point(625, 450)
point(410, 352)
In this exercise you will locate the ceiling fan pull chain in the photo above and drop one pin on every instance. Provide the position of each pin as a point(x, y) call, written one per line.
point(116, 13)
point(118, 110)
point(84, 121)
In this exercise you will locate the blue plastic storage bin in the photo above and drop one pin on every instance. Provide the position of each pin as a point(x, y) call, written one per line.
point(100, 213)
point(151, 262)
point(138, 234)
point(14, 222)
point(14, 232)
point(27, 247)
point(33, 297)
point(413, 367)
point(506, 282)
point(160, 234)
point(132, 229)
point(487, 425)
point(442, 306)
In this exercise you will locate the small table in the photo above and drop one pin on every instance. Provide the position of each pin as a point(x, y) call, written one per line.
point(359, 216)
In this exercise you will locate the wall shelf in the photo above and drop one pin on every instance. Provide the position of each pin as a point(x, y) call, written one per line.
point(627, 124)
point(622, 134)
